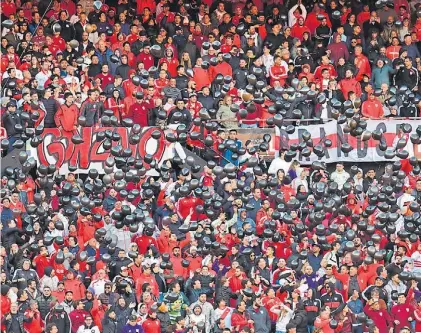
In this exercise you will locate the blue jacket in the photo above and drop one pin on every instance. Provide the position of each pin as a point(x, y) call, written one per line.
point(228, 155)
point(257, 204)
point(104, 58)
point(247, 220)
point(355, 306)
point(109, 203)
point(381, 75)
point(412, 52)
point(6, 216)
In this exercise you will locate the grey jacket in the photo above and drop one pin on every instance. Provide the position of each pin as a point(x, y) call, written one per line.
point(260, 316)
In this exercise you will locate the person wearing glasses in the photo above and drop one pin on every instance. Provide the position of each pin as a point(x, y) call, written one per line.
point(331, 298)
point(88, 326)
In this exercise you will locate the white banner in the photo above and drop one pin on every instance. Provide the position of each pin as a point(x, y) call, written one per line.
point(367, 151)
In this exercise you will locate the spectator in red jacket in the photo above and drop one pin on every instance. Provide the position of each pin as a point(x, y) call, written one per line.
point(299, 28)
point(349, 83)
point(278, 72)
point(139, 111)
point(361, 63)
point(403, 312)
point(33, 322)
point(151, 324)
point(78, 315)
point(372, 108)
point(105, 76)
point(67, 114)
point(240, 318)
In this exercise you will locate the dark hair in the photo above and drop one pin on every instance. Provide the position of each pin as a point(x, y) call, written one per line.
point(49, 327)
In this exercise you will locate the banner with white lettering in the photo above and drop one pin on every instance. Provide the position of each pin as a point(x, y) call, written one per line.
point(367, 151)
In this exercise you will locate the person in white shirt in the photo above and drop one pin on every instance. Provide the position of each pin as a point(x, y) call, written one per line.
point(405, 199)
point(279, 163)
point(416, 257)
point(98, 285)
point(294, 13)
point(43, 75)
point(339, 176)
point(284, 316)
point(301, 180)
point(89, 326)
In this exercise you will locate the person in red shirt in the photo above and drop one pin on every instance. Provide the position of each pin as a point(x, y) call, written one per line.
point(372, 108)
point(139, 111)
point(146, 57)
point(240, 318)
point(201, 75)
point(60, 293)
point(78, 315)
point(151, 324)
point(403, 312)
point(165, 17)
point(222, 67)
point(134, 34)
point(74, 285)
point(33, 322)
point(8, 7)
point(364, 15)
point(105, 76)
point(146, 277)
point(171, 62)
point(162, 80)
point(361, 63)
point(299, 28)
point(278, 71)
point(193, 105)
point(325, 64)
point(67, 114)
point(41, 261)
point(349, 83)
point(312, 22)
point(58, 41)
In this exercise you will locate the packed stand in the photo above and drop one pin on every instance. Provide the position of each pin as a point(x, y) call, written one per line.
point(237, 245)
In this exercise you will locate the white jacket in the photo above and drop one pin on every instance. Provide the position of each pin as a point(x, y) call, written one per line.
point(278, 164)
point(93, 329)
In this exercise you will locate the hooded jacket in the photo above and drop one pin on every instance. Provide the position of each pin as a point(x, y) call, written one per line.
point(60, 319)
point(300, 319)
point(331, 299)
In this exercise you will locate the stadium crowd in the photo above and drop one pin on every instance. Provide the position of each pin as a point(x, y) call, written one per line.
point(236, 245)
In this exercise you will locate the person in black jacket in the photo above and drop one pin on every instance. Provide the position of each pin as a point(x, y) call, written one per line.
point(60, 318)
point(109, 323)
point(68, 31)
point(123, 69)
point(181, 79)
point(331, 298)
point(407, 75)
point(240, 75)
point(45, 300)
point(300, 319)
point(185, 118)
point(50, 106)
point(10, 119)
point(14, 320)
